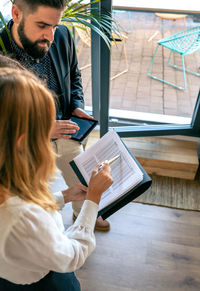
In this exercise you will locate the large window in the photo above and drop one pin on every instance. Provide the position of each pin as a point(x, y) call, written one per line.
point(138, 104)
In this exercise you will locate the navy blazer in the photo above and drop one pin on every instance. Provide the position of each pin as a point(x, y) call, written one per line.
point(63, 55)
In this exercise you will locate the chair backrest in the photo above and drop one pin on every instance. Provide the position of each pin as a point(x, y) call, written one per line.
point(84, 33)
point(171, 16)
point(185, 42)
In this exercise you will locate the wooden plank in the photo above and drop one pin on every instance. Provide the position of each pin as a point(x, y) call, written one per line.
point(148, 248)
point(162, 156)
point(166, 149)
point(166, 157)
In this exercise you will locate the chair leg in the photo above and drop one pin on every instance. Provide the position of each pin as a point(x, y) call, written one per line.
point(119, 74)
point(151, 64)
point(85, 67)
point(130, 21)
point(162, 80)
point(184, 74)
point(126, 62)
point(78, 54)
point(125, 55)
point(151, 36)
point(80, 49)
point(181, 68)
point(115, 11)
point(169, 59)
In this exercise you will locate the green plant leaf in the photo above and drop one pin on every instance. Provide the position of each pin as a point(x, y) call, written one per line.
point(3, 46)
point(78, 13)
point(1, 41)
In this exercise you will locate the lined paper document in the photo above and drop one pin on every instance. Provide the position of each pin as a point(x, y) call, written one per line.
point(125, 172)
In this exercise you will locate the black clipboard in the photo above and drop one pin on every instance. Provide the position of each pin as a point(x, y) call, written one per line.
point(85, 125)
point(123, 200)
point(129, 196)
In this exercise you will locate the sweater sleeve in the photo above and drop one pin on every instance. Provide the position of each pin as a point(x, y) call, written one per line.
point(37, 242)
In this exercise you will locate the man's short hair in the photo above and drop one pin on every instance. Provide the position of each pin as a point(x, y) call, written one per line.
point(33, 4)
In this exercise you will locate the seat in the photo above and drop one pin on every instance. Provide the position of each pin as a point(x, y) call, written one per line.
point(117, 12)
point(184, 43)
point(85, 37)
point(167, 16)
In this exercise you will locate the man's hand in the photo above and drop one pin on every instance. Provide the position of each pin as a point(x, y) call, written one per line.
point(76, 192)
point(81, 113)
point(63, 129)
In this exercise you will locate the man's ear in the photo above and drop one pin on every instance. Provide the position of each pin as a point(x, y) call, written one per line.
point(16, 14)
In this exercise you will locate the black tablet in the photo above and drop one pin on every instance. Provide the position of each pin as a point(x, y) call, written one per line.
point(85, 125)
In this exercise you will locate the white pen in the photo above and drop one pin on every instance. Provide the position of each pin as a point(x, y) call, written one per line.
point(110, 161)
point(113, 159)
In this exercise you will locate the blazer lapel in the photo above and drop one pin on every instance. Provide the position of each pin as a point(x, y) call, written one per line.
point(54, 54)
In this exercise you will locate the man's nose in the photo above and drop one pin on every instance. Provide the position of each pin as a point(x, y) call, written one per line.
point(49, 34)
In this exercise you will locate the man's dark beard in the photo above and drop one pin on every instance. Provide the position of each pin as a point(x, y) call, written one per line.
point(31, 48)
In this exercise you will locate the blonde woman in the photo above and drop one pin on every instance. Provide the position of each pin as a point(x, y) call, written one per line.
point(36, 253)
point(9, 63)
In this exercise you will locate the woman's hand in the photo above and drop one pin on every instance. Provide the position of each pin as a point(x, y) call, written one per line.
point(76, 192)
point(64, 129)
point(100, 181)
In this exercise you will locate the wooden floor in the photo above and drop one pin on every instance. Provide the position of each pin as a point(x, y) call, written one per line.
point(147, 248)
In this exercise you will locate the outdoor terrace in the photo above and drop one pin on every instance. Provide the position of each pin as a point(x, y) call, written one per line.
point(134, 91)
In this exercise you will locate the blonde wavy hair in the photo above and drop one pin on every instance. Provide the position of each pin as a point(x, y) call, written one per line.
point(27, 114)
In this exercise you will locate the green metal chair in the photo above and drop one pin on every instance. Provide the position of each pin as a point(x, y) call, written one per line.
point(184, 43)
